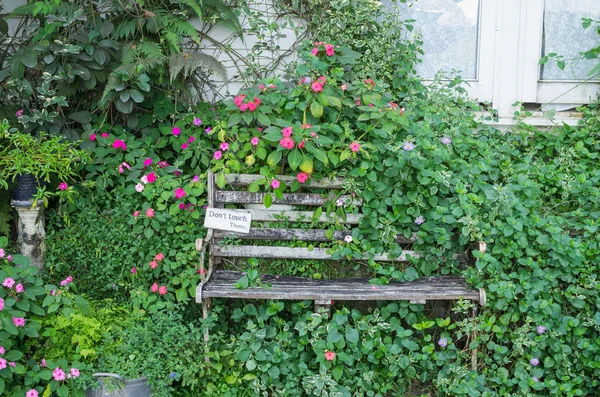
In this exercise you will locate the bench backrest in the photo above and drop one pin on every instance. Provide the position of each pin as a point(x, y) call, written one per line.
point(237, 193)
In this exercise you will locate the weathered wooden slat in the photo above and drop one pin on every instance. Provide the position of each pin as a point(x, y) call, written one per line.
point(298, 288)
point(247, 179)
point(299, 216)
point(295, 234)
point(311, 199)
point(251, 251)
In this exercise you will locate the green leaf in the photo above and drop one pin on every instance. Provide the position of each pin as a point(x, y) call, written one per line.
point(337, 372)
point(82, 117)
point(251, 365)
point(274, 158)
point(62, 391)
point(28, 58)
point(268, 200)
point(13, 355)
point(322, 98)
point(8, 326)
point(181, 294)
point(316, 109)
point(234, 119)
point(352, 335)
point(294, 159)
point(264, 119)
point(2, 385)
point(221, 180)
point(137, 96)
point(335, 102)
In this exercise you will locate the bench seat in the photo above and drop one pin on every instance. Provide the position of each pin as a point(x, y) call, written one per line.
point(221, 285)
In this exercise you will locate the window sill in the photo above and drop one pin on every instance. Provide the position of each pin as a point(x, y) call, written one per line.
point(536, 119)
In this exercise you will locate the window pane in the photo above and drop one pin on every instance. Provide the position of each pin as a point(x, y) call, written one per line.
point(564, 35)
point(449, 29)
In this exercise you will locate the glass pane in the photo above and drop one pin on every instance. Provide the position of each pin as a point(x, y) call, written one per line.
point(564, 35)
point(449, 29)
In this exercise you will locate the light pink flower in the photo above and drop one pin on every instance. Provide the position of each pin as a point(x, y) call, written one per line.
point(153, 264)
point(69, 279)
point(13, 364)
point(287, 132)
point(19, 321)
point(287, 143)
point(329, 356)
point(314, 51)
point(348, 239)
point(144, 179)
point(254, 141)
point(162, 164)
point(329, 50)
point(355, 147)
point(147, 162)
point(136, 214)
point(75, 372)
point(149, 212)
point(316, 86)
point(302, 177)
point(19, 113)
point(179, 193)
point(160, 256)
point(224, 146)
point(2, 363)
point(195, 179)
point(154, 287)
point(19, 288)
point(44, 362)
point(218, 154)
point(32, 393)
point(162, 290)
point(121, 170)
point(197, 121)
point(92, 137)
point(1, 304)
point(275, 184)
point(243, 107)
point(58, 374)
point(139, 188)
point(175, 131)
point(63, 186)
point(8, 282)
point(2, 351)
point(2, 253)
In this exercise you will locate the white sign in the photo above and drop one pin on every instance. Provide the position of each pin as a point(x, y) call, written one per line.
point(233, 221)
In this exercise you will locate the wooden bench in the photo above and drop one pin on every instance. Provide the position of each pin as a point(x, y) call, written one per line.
point(220, 283)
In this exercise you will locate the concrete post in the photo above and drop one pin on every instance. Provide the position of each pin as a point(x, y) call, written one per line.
point(31, 232)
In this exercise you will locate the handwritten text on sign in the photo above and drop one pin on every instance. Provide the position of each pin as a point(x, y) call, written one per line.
point(233, 221)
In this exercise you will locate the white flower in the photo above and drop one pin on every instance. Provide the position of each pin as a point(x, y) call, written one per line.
point(144, 180)
point(139, 187)
point(348, 239)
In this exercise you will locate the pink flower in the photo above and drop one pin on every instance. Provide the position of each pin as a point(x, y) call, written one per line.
point(121, 170)
point(238, 100)
point(63, 283)
point(371, 105)
point(147, 162)
point(182, 206)
point(2, 363)
point(8, 282)
point(19, 113)
point(218, 154)
point(139, 188)
point(224, 146)
point(32, 393)
point(176, 172)
point(243, 107)
point(254, 141)
point(93, 137)
point(9, 258)
point(58, 374)
point(144, 179)
point(19, 288)
point(192, 139)
point(13, 364)
point(322, 80)
point(287, 143)
point(153, 264)
point(149, 212)
point(329, 356)
point(301, 145)
point(44, 362)
point(313, 134)
point(136, 214)
point(402, 111)
point(119, 144)
point(261, 86)
point(175, 131)
point(302, 177)
point(316, 86)
point(329, 50)
point(259, 129)
point(162, 164)
point(151, 177)
point(69, 279)
point(63, 186)
point(1, 304)
point(208, 130)
point(184, 146)
point(162, 290)
point(306, 126)
point(160, 256)
point(104, 135)
point(195, 179)
point(53, 293)
point(179, 193)
point(257, 101)
point(2, 253)
point(75, 372)
point(133, 270)
point(355, 147)
point(252, 106)
point(2, 351)
point(197, 121)
point(344, 87)
point(287, 132)
point(275, 184)
point(314, 51)
point(154, 287)
point(19, 321)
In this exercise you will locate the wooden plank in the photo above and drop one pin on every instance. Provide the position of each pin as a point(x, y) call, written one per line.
point(251, 251)
point(295, 234)
point(298, 288)
point(247, 179)
point(311, 199)
point(300, 216)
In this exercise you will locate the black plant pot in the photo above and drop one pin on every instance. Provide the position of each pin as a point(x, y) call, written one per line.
point(25, 188)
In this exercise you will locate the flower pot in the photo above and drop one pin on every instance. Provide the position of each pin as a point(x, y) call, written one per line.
point(25, 188)
point(113, 385)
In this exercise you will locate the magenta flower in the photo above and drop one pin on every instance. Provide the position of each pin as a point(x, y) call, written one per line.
point(252, 106)
point(2, 351)
point(63, 186)
point(2, 363)
point(151, 177)
point(224, 146)
point(243, 107)
point(19, 321)
point(184, 146)
point(19, 288)
point(8, 282)
point(195, 179)
point(133, 270)
point(208, 130)
point(147, 162)
point(314, 51)
point(44, 362)
point(93, 137)
point(104, 135)
point(119, 144)
point(197, 121)
point(192, 139)
point(302, 177)
point(254, 141)
point(355, 147)
point(1, 304)
point(420, 220)
point(32, 393)
point(136, 213)
point(218, 154)
point(58, 374)
point(19, 113)
point(179, 193)
point(75, 372)
point(69, 279)
point(287, 132)
point(329, 50)
point(287, 143)
point(316, 86)
point(2, 253)
point(162, 164)
point(175, 131)
point(150, 213)
point(275, 184)
point(181, 206)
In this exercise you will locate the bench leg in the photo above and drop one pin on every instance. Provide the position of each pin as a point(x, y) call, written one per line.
point(323, 306)
point(472, 338)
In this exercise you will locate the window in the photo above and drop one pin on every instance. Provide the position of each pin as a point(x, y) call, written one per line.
point(497, 45)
